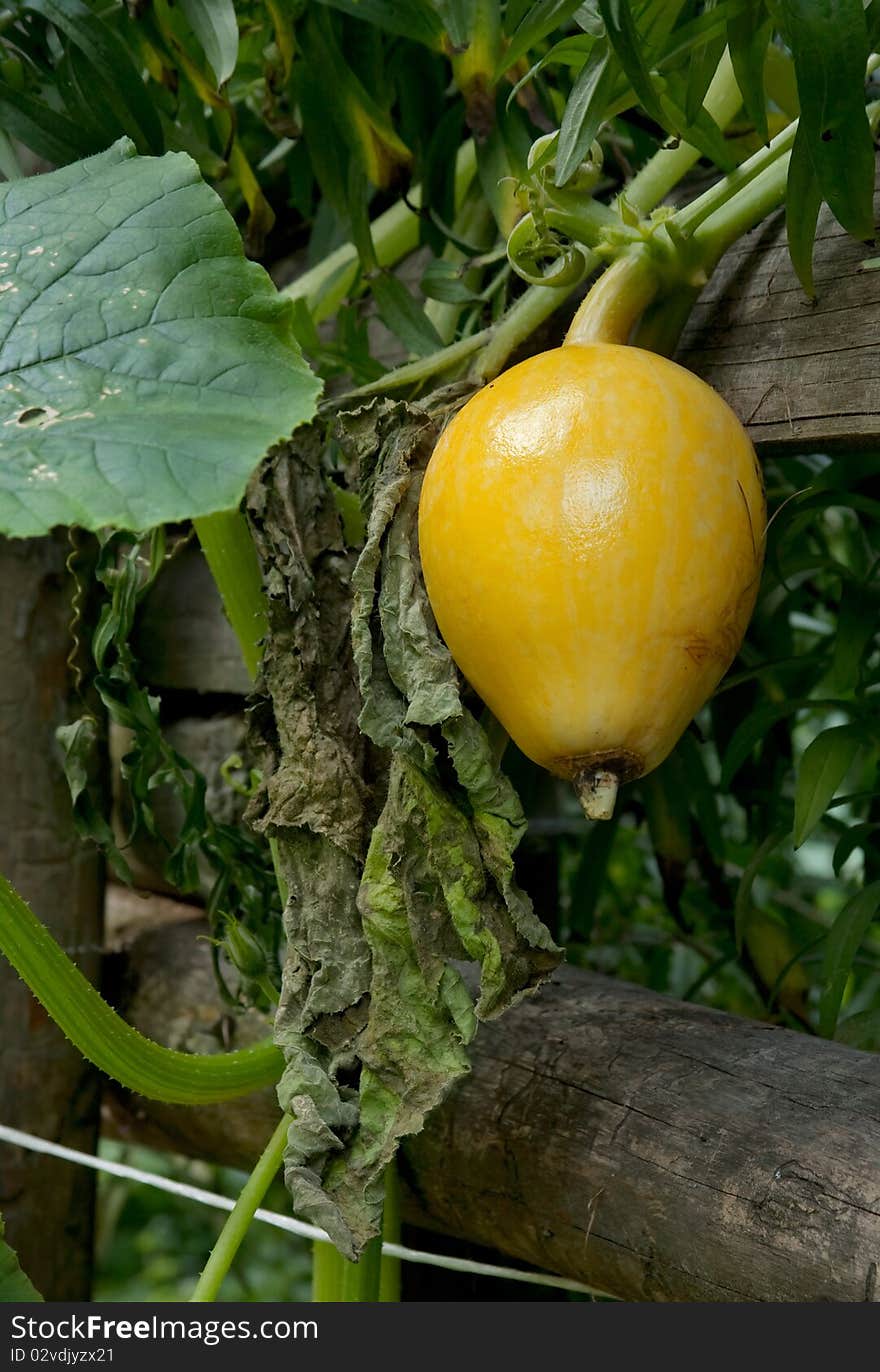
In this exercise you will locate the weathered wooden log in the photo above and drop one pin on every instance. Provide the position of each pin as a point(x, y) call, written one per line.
point(803, 375)
point(656, 1150)
point(45, 1086)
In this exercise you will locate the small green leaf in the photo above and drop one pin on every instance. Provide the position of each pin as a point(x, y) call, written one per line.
point(403, 315)
point(111, 63)
point(14, 1284)
point(856, 628)
point(856, 836)
point(146, 365)
point(749, 31)
point(750, 732)
point(702, 794)
point(629, 48)
point(844, 940)
point(406, 18)
point(829, 41)
point(458, 20)
point(442, 281)
point(585, 110)
point(823, 767)
point(803, 200)
point(215, 26)
point(701, 68)
point(41, 128)
point(742, 908)
point(538, 21)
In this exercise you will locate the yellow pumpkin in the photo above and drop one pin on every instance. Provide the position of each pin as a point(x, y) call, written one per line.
point(591, 529)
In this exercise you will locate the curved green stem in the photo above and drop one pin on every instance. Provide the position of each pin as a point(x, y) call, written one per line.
point(105, 1039)
point(239, 1220)
point(611, 309)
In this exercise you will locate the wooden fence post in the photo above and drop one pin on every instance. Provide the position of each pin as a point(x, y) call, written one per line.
point(45, 1087)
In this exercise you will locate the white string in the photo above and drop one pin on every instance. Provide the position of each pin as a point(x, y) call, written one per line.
point(286, 1222)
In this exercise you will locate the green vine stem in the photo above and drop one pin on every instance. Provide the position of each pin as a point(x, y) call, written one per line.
point(474, 66)
point(743, 212)
point(229, 549)
point(424, 368)
point(690, 217)
point(239, 1219)
point(106, 1040)
point(534, 306)
point(376, 1277)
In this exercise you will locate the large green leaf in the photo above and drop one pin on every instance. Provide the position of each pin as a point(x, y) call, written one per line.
point(14, 1285)
point(829, 42)
point(146, 365)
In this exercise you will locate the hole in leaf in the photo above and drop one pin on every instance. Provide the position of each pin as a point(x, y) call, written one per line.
point(827, 135)
point(31, 416)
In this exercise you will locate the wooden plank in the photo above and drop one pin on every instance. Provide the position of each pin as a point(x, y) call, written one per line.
point(182, 638)
point(654, 1149)
point(802, 375)
point(45, 1086)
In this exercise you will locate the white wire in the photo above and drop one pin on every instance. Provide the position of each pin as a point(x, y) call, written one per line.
point(286, 1222)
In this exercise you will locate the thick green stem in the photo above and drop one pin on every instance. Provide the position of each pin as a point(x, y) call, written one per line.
point(376, 1277)
point(664, 170)
point(691, 216)
point(229, 548)
point(752, 204)
point(521, 320)
point(395, 234)
point(618, 299)
point(334, 1278)
point(389, 1277)
point(663, 322)
point(411, 373)
point(105, 1039)
point(233, 1232)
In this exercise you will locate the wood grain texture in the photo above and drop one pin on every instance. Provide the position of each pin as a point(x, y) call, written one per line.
point(802, 375)
point(653, 1149)
point(45, 1087)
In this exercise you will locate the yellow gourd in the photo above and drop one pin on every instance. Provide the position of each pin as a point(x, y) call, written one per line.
point(591, 529)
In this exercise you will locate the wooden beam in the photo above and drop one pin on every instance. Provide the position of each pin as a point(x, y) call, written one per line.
point(45, 1087)
point(656, 1150)
point(802, 375)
